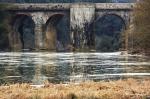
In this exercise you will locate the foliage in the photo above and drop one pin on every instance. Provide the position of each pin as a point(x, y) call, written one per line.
point(141, 32)
point(4, 27)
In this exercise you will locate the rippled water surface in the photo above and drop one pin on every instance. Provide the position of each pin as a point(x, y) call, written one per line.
point(65, 67)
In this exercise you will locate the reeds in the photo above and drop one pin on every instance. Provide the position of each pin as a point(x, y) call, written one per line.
point(121, 89)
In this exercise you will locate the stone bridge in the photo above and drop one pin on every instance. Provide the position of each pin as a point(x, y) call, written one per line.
point(61, 26)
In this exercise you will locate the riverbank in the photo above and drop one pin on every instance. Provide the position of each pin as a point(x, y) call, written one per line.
point(121, 89)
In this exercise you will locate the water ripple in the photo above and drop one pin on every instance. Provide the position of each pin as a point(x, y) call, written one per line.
point(36, 67)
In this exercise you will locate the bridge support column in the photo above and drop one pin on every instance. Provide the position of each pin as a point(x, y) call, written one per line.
point(39, 35)
point(82, 17)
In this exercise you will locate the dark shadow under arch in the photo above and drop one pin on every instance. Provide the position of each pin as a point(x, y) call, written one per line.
point(108, 31)
point(115, 15)
point(57, 33)
point(23, 26)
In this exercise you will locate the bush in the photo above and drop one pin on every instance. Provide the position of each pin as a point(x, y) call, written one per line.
point(140, 36)
point(4, 27)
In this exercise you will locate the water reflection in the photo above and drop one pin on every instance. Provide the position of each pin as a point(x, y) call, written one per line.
point(65, 67)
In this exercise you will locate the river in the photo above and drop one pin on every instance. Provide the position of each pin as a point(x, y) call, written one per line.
point(38, 67)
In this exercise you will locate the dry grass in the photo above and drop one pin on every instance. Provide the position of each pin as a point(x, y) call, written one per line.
point(121, 89)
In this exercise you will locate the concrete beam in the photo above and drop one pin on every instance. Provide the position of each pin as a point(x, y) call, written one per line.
point(66, 6)
point(41, 7)
point(115, 6)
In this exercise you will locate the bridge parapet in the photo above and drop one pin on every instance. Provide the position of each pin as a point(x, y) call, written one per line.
point(115, 6)
point(66, 6)
point(42, 7)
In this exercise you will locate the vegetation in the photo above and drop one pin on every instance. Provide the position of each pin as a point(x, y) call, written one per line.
point(4, 26)
point(127, 89)
point(140, 33)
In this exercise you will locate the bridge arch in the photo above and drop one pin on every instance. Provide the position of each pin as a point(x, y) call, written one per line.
point(23, 27)
point(57, 32)
point(116, 15)
point(108, 29)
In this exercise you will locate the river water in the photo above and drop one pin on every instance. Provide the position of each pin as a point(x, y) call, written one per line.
point(38, 67)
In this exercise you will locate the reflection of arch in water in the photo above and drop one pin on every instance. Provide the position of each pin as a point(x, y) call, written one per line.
point(108, 30)
point(23, 27)
point(57, 32)
point(59, 71)
point(26, 68)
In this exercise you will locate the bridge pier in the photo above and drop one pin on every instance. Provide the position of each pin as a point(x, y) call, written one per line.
point(39, 35)
point(82, 17)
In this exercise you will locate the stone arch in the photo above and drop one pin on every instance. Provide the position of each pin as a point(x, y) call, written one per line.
point(23, 32)
point(55, 36)
point(108, 30)
point(122, 17)
point(123, 14)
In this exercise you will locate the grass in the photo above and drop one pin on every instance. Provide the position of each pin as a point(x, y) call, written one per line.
point(121, 89)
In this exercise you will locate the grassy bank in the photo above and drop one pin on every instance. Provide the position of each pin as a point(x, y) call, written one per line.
point(121, 89)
